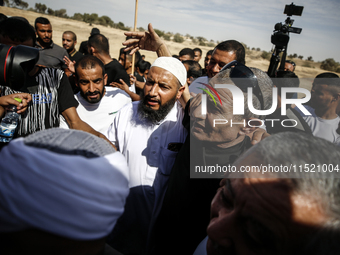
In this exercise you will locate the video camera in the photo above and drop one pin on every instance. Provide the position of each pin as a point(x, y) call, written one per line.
point(280, 37)
point(15, 63)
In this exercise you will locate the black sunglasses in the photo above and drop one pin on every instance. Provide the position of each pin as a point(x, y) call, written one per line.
point(244, 78)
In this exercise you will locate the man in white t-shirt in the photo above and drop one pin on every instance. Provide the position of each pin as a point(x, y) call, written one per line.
point(98, 104)
point(325, 98)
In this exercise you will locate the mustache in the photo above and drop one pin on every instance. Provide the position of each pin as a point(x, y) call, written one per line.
point(146, 98)
point(92, 93)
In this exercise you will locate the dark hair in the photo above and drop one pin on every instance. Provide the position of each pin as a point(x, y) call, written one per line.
point(233, 45)
point(99, 42)
point(71, 33)
point(41, 20)
point(198, 49)
point(143, 66)
point(195, 69)
point(209, 53)
point(290, 79)
point(89, 62)
point(330, 79)
point(291, 62)
point(2, 17)
point(128, 56)
point(187, 51)
point(17, 30)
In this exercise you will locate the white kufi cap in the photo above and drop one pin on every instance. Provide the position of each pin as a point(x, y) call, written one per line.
point(174, 66)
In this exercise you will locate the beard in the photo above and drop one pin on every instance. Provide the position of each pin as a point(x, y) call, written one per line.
point(154, 116)
point(93, 100)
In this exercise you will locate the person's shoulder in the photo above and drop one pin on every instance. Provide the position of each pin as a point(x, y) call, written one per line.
point(113, 92)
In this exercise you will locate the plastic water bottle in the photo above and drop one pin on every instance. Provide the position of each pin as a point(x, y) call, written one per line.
point(9, 123)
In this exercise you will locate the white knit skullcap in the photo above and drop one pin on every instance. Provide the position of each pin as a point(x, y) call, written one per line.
point(65, 182)
point(174, 66)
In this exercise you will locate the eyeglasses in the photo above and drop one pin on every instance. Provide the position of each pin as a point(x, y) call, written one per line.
point(244, 78)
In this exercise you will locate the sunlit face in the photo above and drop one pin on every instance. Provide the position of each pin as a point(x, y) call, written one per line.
point(68, 42)
point(44, 32)
point(289, 67)
point(198, 56)
point(91, 83)
point(260, 216)
point(161, 86)
point(218, 60)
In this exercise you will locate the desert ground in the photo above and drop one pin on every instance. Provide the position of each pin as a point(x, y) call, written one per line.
point(116, 37)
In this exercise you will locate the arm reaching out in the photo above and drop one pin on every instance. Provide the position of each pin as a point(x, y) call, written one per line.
point(146, 41)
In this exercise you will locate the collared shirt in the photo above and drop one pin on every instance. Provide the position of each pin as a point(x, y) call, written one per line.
point(52, 56)
point(145, 146)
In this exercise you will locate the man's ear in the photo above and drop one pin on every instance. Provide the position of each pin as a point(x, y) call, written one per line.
point(105, 79)
point(180, 92)
point(251, 125)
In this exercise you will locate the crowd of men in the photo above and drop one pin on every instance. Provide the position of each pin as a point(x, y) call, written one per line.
point(115, 156)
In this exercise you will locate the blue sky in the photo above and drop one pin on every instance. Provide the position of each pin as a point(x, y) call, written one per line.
point(250, 22)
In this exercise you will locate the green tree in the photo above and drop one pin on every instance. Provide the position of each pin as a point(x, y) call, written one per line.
point(159, 32)
point(310, 58)
point(167, 37)
point(50, 11)
point(329, 64)
point(266, 55)
point(41, 8)
point(105, 21)
point(60, 13)
point(178, 38)
point(78, 16)
point(300, 57)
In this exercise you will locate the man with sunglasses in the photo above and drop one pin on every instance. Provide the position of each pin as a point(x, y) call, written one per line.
point(290, 66)
point(224, 53)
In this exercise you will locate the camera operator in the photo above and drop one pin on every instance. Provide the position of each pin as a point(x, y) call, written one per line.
point(49, 88)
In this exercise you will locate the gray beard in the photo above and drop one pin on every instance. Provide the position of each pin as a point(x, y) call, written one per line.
point(154, 117)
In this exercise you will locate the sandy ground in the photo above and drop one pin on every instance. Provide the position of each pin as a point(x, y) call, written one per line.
point(116, 37)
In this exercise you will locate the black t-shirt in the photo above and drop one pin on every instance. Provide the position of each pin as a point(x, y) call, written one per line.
point(83, 48)
point(185, 213)
point(76, 56)
point(116, 71)
point(51, 95)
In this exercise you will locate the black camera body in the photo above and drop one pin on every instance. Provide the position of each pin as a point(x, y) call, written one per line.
point(15, 63)
point(280, 37)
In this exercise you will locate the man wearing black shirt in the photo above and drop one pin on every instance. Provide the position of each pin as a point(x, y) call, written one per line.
point(69, 42)
point(98, 46)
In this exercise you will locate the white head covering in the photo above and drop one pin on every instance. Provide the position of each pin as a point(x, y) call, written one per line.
point(174, 66)
point(66, 182)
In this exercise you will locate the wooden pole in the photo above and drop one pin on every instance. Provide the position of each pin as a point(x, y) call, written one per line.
point(134, 29)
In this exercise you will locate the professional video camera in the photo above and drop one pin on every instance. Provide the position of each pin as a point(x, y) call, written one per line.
point(15, 63)
point(280, 38)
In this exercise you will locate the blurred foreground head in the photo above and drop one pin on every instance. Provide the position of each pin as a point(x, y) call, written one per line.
point(296, 212)
point(62, 191)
